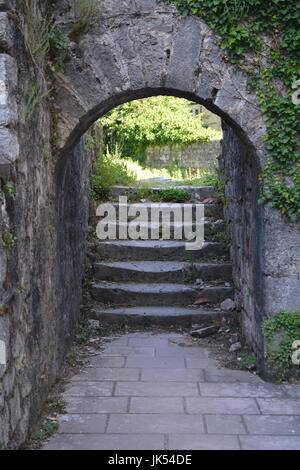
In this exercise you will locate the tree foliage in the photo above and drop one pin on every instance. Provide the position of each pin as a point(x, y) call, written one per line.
point(160, 120)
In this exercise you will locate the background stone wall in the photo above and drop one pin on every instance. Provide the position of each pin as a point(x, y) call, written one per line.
point(243, 216)
point(202, 155)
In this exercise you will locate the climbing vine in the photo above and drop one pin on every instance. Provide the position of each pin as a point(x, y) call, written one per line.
point(262, 39)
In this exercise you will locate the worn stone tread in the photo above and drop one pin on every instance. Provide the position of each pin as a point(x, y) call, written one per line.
point(155, 315)
point(156, 250)
point(163, 294)
point(161, 271)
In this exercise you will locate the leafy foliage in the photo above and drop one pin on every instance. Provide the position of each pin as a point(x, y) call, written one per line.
point(160, 120)
point(110, 169)
point(272, 66)
point(7, 239)
point(281, 331)
point(58, 47)
point(163, 194)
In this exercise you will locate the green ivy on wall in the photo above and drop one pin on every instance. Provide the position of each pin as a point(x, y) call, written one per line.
point(273, 66)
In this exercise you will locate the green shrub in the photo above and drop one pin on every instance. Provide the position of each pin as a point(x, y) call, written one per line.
point(110, 170)
point(163, 195)
point(281, 330)
point(172, 195)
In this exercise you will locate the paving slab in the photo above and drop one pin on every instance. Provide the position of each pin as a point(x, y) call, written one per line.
point(99, 361)
point(160, 362)
point(106, 373)
point(241, 390)
point(293, 391)
point(82, 423)
point(97, 405)
point(276, 406)
point(218, 375)
point(204, 405)
point(89, 389)
point(171, 375)
point(275, 425)
point(156, 405)
point(270, 442)
point(203, 442)
point(147, 391)
point(128, 351)
point(225, 424)
point(161, 389)
point(155, 423)
point(106, 442)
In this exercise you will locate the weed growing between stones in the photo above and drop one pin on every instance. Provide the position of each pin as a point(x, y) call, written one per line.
point(7, 240)
point(34, 95)
point(84, 12)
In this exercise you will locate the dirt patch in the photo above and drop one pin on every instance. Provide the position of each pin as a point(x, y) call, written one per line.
point(219, 344)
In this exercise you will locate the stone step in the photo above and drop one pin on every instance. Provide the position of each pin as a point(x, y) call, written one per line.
point(133, 210)
point(199, 193)
point(177, 231)
point(156, 250)
point(156, 294)
point(156, 316)
point(161, 271)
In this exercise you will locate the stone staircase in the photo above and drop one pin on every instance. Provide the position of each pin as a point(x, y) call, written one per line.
point(159, 282)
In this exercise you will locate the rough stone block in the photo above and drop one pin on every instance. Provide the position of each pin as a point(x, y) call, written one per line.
point(9, 146)
point(6, 35)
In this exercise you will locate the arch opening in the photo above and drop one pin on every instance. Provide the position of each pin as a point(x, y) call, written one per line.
point(105, 107)
point(240, 165)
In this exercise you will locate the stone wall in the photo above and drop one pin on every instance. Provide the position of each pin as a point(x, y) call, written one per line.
point(243, 216)
point(265, 246)
point(43, 222)
point(202, 155)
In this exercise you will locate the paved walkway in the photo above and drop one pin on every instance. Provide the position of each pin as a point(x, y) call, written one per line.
point(150, 392)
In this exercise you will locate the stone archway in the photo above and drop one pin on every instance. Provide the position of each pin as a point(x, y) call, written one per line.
point(136, 51)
